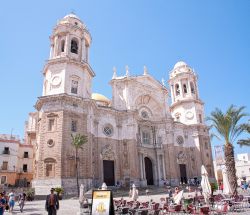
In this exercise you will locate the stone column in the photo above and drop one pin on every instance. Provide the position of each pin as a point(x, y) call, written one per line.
point(51, 51)
point(83, 50)
point(181, 90)
point(141, 165)
point(172, 93)
point(55, 46)
point(67, 45)
point(87, 54)
point(158, 167)
point(163, 167)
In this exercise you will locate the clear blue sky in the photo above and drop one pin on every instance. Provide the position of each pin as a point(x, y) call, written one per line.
point(213, 37)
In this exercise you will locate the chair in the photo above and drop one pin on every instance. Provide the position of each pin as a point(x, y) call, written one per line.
point(223, 209)
point(125, 211)
point(132, 211)
point(204, 210)
point(177, 208)
point(144, 212)
point(191, 209)
point(156, 206)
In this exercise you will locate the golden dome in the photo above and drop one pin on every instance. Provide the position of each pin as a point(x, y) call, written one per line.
point(100, 97)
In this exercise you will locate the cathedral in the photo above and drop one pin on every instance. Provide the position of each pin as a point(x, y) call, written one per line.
point(135, 137)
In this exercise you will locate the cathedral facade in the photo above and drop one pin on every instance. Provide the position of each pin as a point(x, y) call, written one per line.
point(136, 137)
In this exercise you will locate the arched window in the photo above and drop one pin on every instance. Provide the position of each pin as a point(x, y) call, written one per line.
point(74, 86)
point(49, 166)
point(200, 118)
point(62, 45)
point(145, 137)
point(74, 46)
point(184, 88)
point(177, 89)
point(192, 87)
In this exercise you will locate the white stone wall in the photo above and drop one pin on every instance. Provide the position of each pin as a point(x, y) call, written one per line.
point(243, 157)
point(11, 158)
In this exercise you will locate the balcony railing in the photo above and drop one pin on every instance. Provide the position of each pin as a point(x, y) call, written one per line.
point(3, 168)
point(151, 146)
point(6, 152)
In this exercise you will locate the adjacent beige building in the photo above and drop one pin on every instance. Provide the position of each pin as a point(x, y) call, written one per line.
point(16, 160)
point(135, 137)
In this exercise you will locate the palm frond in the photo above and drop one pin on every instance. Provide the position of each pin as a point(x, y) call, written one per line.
point(78, 140)
point(244, 142)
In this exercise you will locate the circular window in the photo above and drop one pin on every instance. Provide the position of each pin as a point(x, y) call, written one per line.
point(108, 130)
point(180, 140)
point(50, 143)
point(144, 114)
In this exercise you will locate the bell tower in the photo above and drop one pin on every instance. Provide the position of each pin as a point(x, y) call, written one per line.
point(62, 108)
point(186, 105)
point(67, 71)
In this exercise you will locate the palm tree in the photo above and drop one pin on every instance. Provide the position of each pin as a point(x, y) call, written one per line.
point(78, 141)
point(229, 128)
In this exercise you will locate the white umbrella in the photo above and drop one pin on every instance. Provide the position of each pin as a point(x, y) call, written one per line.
point(81, 196)
point(227, 189)
point(134, 194)
point(205, 185)
point(178, 197)
point(104, 186)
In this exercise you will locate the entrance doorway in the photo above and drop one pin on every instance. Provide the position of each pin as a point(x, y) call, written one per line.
point(149, 171)
point(109, 172)
point(183, 173)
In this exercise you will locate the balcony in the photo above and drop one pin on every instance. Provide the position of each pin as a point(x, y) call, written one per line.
point(150, 146)
point(6, 152)
point(4, 168)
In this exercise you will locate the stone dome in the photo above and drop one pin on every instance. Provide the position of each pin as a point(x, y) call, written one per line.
point(100, 97)
point(71, 15)
point(180, 64)
point(73, 19)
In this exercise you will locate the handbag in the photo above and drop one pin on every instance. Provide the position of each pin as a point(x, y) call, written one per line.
point(7, 207)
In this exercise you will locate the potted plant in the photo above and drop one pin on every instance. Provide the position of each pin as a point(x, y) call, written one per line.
point(30, 194)
point(59, 192)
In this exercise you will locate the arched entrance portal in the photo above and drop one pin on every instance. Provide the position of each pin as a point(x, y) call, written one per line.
point(149, 171)
point(108, 172)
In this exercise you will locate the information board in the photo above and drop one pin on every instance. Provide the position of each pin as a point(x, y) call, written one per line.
point(102, 202)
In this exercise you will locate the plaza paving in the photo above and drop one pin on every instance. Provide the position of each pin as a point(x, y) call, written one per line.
point(71, 207)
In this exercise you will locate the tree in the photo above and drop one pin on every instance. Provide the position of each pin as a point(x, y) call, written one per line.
point(229, 128)
point(78, 141)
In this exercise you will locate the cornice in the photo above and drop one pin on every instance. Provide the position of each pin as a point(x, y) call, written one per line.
point(181, 102)
point(68, 60)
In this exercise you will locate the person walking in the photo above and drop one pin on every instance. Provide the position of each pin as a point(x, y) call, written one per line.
point(52, 203)
point(11, 200)
point(2, 203)
point(21, 200)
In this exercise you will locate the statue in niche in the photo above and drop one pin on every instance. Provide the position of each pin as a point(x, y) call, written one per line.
point(125, 155)
point(181, 158)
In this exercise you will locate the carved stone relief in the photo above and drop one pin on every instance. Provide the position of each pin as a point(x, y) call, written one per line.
point(181, 158)
point(108, 153)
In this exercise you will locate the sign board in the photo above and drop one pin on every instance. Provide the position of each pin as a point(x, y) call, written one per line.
point(102, 202)
point(219, 154)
